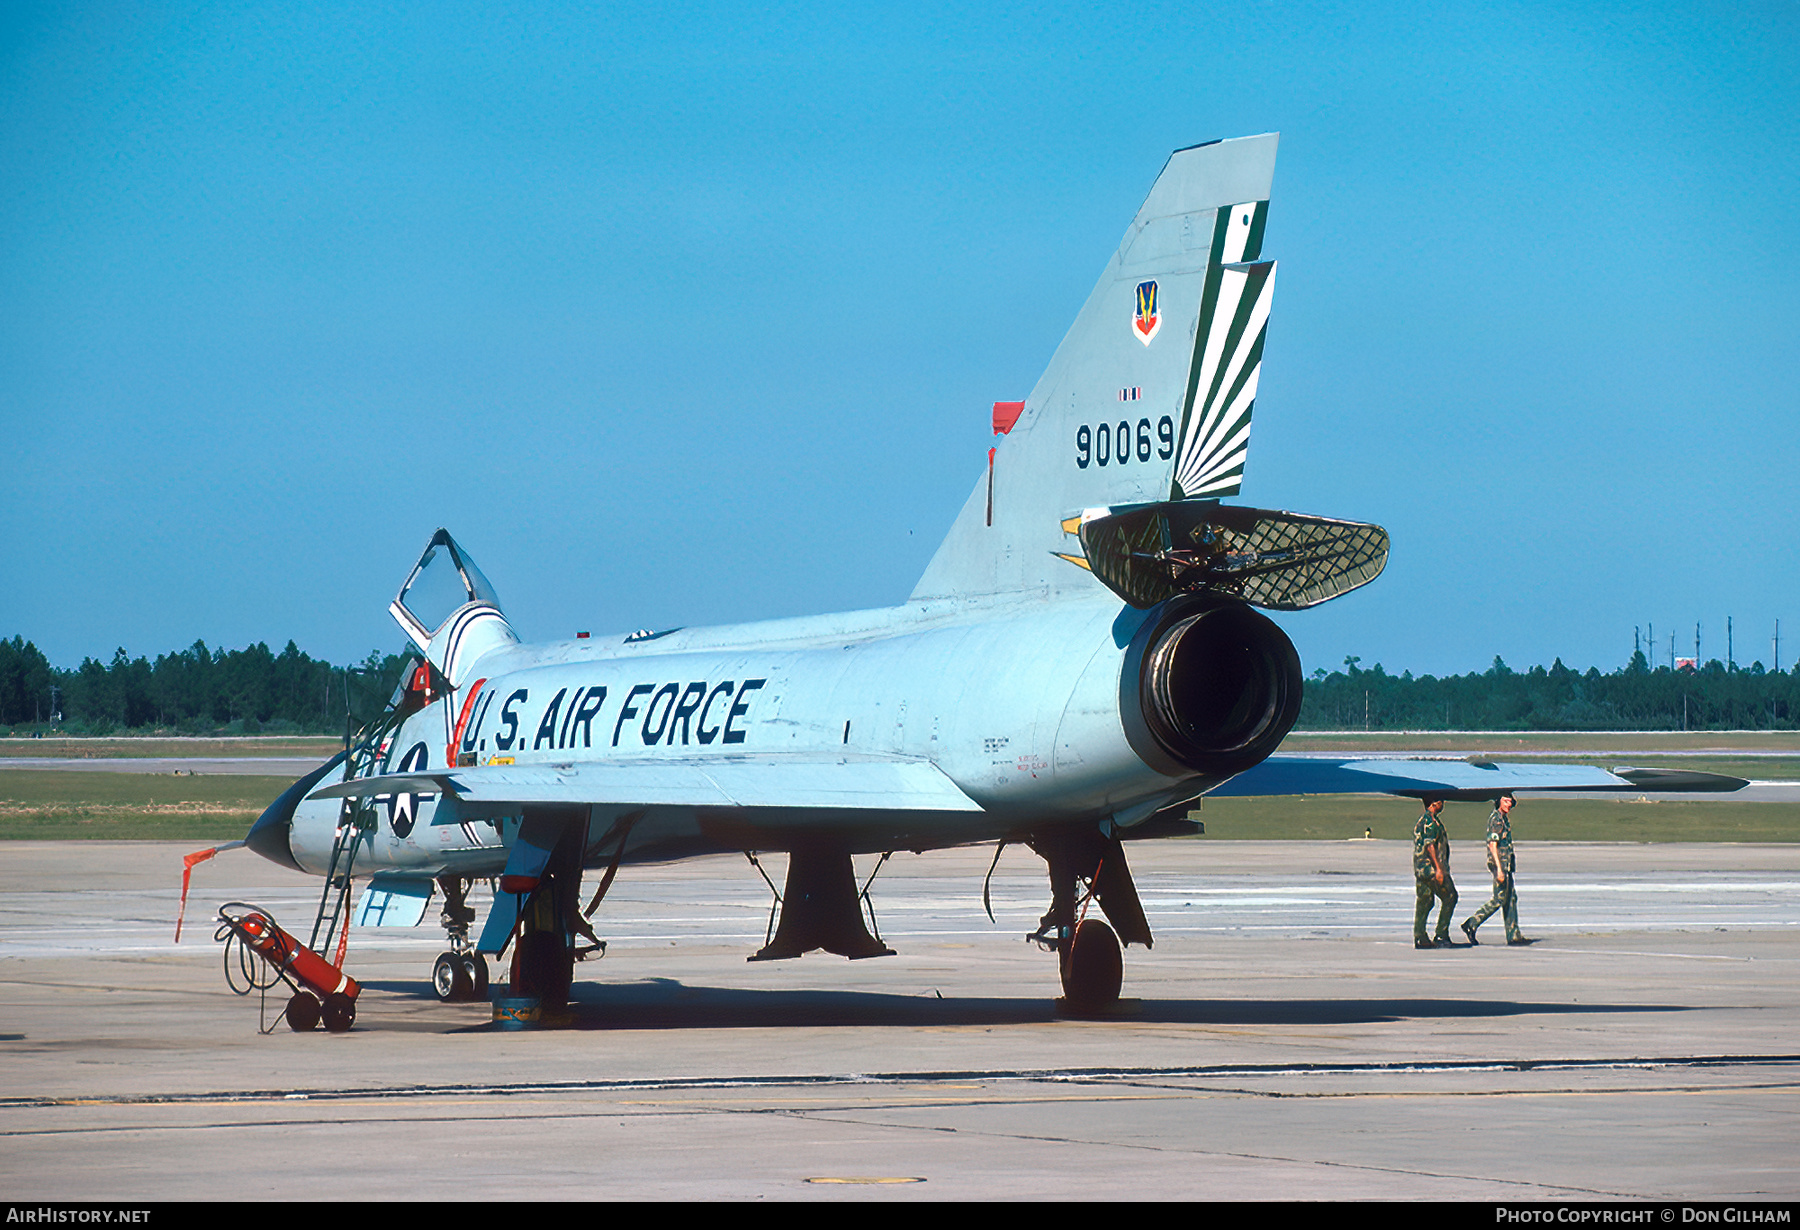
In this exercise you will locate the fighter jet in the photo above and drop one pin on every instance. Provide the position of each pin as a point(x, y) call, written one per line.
point(1083, 659)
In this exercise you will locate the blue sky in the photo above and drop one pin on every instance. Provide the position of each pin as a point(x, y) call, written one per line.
point(696, 315)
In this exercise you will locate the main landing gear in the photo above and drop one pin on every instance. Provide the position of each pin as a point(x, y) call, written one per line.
point(460, 974)
point(551, 925)
point(1092, 966)
point(1088, 950)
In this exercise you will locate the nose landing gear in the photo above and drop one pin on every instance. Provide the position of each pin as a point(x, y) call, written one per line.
point(459, 977)
point(460, 974)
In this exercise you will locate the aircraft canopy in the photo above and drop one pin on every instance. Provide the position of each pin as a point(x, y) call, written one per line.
point(444, 581)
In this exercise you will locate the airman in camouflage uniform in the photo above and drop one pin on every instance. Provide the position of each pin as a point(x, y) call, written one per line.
point(1500, 863)
point(1431, 876)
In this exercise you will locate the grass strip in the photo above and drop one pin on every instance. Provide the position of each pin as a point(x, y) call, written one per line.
point(58, 805)
point(1341, 817)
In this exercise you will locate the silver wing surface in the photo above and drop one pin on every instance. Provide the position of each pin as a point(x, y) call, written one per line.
point(1454, 780)
point(743, 783)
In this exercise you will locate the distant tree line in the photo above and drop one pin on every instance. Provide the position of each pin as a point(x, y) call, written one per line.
point(204, 691)
point(1635, 697)
point(194, 691)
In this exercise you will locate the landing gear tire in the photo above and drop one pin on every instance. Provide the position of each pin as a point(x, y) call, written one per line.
point(338, 1012)
point(476, 971)
point(302, 1013)
point(1092, 968)
point(451, 979)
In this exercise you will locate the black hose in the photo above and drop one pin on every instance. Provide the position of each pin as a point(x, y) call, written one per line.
point(249, 961)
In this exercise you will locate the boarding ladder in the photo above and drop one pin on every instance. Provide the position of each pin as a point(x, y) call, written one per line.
point(363, 755)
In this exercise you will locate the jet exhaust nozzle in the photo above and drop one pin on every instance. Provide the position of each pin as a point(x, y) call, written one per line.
point(1209, 687)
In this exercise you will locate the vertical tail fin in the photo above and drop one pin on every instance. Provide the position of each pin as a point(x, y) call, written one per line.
point(1150, 393)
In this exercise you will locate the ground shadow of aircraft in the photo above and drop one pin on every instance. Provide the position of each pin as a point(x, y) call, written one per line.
point(665, 1003)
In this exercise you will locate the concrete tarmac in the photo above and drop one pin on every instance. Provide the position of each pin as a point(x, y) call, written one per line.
point(1283, 1040)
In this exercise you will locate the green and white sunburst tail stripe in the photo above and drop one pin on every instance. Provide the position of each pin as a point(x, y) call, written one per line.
point(1228, 347)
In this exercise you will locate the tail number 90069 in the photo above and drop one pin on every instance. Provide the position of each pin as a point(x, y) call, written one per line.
point(1117, 443)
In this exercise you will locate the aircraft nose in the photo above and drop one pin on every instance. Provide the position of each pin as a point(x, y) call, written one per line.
point(269, 835)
